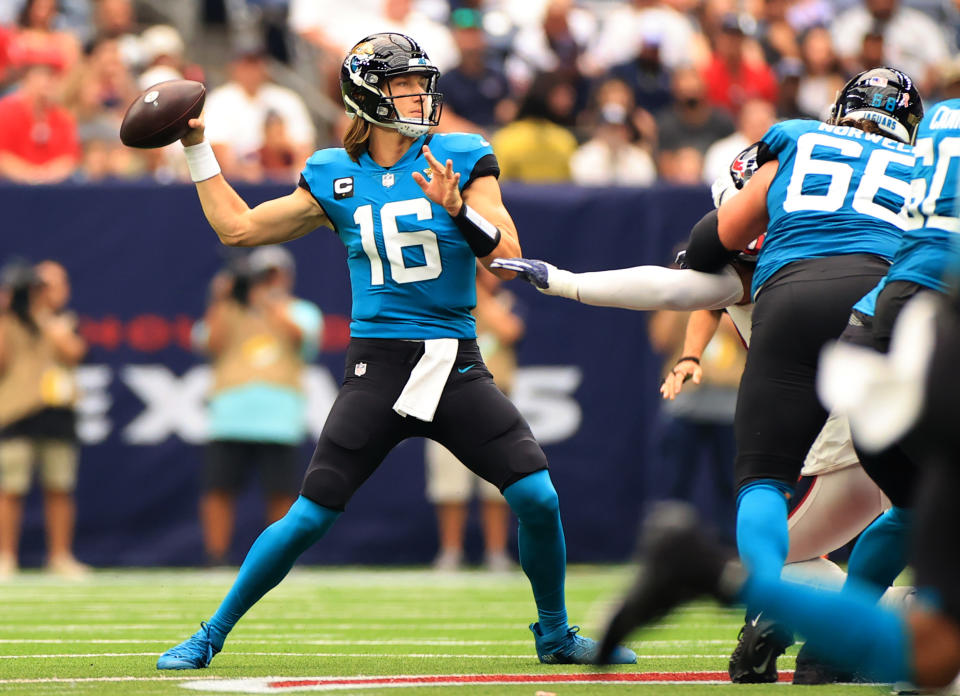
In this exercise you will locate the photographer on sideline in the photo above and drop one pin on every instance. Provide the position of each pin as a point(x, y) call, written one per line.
point(259, 338)
point(39, 351)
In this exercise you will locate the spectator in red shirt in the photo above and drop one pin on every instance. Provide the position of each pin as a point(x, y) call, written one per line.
point(38, 140)
point(733, 76)
point(36, 40)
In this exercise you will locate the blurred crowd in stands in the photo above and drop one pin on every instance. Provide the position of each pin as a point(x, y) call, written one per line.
point(598, 92)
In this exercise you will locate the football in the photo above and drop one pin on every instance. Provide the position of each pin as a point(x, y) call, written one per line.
point(159, 115)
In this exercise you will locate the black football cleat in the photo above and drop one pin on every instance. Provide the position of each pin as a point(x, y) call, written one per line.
point(678, 563)
point(754, 660)
point(811, 670)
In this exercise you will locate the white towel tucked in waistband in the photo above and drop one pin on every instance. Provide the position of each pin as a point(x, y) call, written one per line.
point(422, 392)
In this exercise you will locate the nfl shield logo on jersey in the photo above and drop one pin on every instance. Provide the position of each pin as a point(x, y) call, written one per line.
point(360, 369)
point(388, 180)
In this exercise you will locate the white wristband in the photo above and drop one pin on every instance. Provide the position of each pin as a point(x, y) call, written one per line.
point(201, 161)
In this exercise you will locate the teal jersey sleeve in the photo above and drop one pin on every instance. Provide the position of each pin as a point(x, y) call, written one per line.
point(471, 155)
point(779, 136)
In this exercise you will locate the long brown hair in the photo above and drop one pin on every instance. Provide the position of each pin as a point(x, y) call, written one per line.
point(864, 124)
point(356, 137)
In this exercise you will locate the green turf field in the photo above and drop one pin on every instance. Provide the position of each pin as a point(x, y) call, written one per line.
point(102, 636)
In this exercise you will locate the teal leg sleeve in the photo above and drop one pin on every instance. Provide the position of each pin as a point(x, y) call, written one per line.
point(269, 560)
point(543, 552)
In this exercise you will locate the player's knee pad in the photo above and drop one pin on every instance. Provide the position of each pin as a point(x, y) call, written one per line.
point(328, 487)
point(533, 499)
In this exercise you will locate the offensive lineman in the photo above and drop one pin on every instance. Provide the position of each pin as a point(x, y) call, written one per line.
point(914, 389)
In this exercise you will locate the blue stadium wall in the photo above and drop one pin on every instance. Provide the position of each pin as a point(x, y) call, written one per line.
point(141, 257)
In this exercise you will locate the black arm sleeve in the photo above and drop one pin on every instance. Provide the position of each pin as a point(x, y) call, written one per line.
point(485, 166)
point(704, 250)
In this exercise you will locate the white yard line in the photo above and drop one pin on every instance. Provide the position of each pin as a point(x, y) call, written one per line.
point(282, 640)
point(380, 655)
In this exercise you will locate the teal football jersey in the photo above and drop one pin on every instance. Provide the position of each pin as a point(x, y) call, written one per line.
point(837, 191)
point(926, 249)
point(412, 274)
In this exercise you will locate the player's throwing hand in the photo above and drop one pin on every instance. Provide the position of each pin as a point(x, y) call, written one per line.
point(195, 135)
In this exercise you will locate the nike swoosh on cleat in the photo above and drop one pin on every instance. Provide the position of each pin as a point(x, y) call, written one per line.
point(464, 369)
point(762, 667)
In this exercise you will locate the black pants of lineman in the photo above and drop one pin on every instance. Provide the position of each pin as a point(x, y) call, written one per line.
point(800, 308)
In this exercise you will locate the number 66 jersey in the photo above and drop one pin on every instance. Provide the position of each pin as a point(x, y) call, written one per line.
point(837, 190)
point(412, 274)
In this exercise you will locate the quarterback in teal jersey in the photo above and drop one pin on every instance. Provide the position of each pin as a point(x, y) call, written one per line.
point(415, 211)
point(408, 282)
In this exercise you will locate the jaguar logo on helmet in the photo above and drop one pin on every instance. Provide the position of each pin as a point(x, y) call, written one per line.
point(364, 48)
point(365, 78)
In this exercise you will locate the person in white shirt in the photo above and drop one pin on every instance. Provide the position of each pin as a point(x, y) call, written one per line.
point(237, 111)
point(324, 24)
point(612, 157)
point(620, 39)
point(163, 55)
point(913, 42)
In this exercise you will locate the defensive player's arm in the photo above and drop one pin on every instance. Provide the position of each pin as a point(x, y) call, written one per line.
point(271, 222)
point(638, 288)
point(701, 326)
